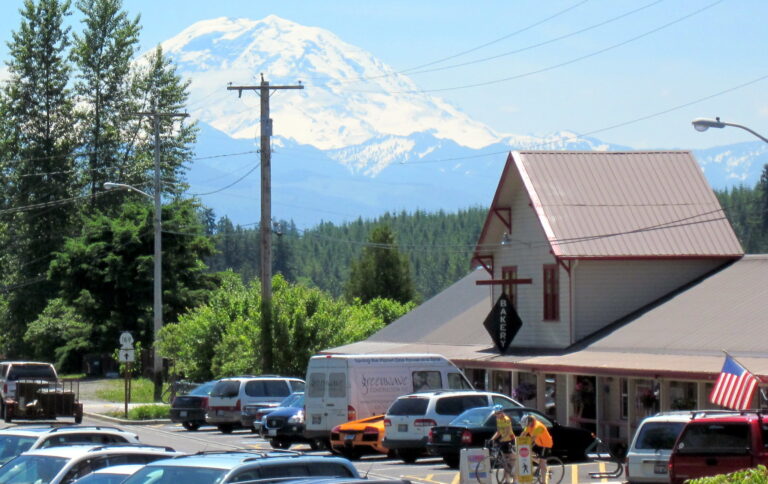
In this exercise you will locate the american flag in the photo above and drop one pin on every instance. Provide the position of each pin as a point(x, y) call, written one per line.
point(735, 386)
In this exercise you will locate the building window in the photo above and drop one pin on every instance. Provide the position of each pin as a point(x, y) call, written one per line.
point(551, 293)
point(509, 273)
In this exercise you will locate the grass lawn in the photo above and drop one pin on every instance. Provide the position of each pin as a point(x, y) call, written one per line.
point(142, 391)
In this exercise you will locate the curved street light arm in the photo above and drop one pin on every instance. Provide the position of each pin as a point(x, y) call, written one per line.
point(123, 186)
point(703, 124)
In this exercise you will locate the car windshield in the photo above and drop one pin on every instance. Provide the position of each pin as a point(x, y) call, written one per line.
point(102, 478)
point(31, 468)
point(43, 372)
point(203, 390)
point(474, 417)
point(658, 435)
point(13, 445)
point(226, 388)
point(176, 475)
point(294, 400)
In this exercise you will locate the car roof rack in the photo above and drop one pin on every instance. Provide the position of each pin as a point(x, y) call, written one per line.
point(725, 412)
point(130, 444)
point(84, 427)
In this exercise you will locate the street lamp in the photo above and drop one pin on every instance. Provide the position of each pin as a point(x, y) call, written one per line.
point(703, 124)
point(157, 365)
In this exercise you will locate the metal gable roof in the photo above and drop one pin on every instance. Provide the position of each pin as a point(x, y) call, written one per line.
point(622, 204)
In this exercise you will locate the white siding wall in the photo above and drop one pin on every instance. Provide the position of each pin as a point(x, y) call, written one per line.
point(529, 251)
point(605, 291)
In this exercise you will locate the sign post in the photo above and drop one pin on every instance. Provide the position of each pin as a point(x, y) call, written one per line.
point(524, 462)
point(126, 354)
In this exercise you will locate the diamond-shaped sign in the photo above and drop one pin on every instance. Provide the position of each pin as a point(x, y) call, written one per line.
point(503, 323)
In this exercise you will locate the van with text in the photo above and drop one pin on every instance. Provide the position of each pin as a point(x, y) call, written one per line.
point(341, 388)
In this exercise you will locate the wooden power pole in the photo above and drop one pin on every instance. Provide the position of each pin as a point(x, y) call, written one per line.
point(265, 225)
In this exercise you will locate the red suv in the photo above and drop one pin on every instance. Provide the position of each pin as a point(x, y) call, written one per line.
point(719, 442)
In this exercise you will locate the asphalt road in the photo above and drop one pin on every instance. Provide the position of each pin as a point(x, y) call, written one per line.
point(427, 470)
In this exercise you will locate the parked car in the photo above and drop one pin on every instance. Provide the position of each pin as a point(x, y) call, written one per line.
point(15, 440)
point(410, 418)
point(65, 464)
point(189, 409)
point(284, 426)
point(473, 427)
point(230, 395)
point(718, 443)
point(241, 466)
point(110, 475)
point(648, 455)
point(358, 437)
point(342, 388)
point(257, 412)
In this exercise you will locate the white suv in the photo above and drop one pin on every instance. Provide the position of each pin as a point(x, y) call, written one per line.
point(410, 417)
point(63, 465)
point(15, 440)
point(648, 456)
point(231, 395)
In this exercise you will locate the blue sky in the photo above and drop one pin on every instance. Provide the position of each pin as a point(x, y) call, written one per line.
point(661, 56)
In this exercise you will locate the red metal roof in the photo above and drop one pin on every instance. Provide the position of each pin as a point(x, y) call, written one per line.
point(622, 204)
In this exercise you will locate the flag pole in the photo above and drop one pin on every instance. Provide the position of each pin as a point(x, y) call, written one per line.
point(761, 392)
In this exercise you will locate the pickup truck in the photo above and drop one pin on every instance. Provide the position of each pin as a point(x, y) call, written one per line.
point(32, 390)
point(719, 442)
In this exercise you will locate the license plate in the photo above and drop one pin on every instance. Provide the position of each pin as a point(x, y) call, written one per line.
point(660, 468)
point(272, 432)
point(446, 437)
point(402, 427)
point(349, 437)
point(183, 413)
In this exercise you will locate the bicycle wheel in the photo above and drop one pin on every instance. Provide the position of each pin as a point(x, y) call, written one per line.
point(482, 471)
point(555, 471)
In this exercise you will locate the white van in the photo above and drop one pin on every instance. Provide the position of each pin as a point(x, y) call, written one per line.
point(341, 388)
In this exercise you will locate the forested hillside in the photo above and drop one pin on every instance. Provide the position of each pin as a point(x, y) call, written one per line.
point(438, 245)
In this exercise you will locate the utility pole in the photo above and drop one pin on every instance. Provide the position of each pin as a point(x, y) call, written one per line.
point(157, 362)
point(265, 226)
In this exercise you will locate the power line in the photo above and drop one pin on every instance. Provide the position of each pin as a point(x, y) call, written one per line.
point(555, 66)
point(231, 184)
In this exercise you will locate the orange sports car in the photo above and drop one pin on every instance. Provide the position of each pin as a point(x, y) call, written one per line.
point(364, 436)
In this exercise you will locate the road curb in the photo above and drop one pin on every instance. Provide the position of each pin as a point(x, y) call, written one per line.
point(122, 421)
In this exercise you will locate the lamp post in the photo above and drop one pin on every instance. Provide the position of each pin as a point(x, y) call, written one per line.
point(157, 365)
point(703, 124)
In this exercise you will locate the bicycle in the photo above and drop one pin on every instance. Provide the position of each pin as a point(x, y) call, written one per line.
point(599, 451)
point(176, 387)
point(497, 464)
point(555, 470)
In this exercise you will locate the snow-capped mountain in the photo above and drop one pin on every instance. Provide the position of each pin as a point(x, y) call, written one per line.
point(360, 139)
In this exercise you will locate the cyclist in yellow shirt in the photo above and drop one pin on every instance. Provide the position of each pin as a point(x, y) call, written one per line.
point(542, 440)
point(506, 437)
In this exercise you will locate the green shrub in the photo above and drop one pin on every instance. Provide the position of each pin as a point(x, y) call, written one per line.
point(145, 412)
point(758, 475)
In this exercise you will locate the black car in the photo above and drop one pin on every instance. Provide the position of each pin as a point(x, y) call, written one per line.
point(189, 409)
point(473, 427)
point(284, 426)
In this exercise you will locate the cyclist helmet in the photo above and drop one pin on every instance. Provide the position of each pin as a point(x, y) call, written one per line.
point(497, 408)
point(527, 420)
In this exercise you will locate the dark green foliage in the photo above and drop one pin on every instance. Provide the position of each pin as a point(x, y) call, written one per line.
point(36, 146)
point(380, 271)
point(105, 277)
point(103, 54)
point(438, 247)
point(745, 210)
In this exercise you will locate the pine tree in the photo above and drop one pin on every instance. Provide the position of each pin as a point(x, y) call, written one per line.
point(103, 54)
point(37, 147)
point(381, 271)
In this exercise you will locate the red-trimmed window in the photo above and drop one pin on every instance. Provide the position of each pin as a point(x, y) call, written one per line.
point(509, 273)
point(551, 293)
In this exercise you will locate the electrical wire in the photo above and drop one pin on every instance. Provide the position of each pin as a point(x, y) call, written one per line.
point(231, 184)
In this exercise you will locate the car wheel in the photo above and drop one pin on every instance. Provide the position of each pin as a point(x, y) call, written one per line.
point(280, 444)
point(226, 428)
point(191, 426)
point(451, 461)
point(320, 444)
point(408, 456)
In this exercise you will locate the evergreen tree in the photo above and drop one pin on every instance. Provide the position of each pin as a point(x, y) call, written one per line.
point(37, 144)
point(381, 271)
point(103, 54)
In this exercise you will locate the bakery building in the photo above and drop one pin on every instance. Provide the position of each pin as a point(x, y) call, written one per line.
point(608, 285)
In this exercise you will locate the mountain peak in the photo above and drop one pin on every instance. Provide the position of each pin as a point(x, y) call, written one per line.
point(349, 97)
